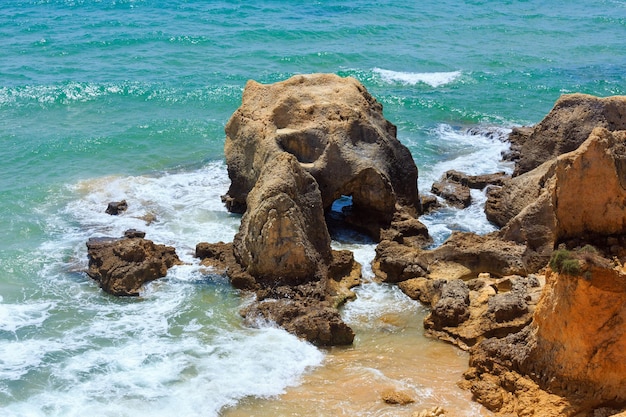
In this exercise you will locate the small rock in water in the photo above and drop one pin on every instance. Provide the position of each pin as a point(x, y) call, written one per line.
point(433, 412)
point(116, 207)
point(134, 233)
point(392, 396)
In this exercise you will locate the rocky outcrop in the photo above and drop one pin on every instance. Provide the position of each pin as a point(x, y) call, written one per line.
point(454, 186)
point(337, 132)
point(282, 252)
point(463, 255)
point(561, 199)
point(571, 360)
point(466, 312)
point(283, 239)
point(308, 310)
point(122, 265)
point(565, 128)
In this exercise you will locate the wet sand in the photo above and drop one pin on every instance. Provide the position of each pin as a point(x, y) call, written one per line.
point(390, 352)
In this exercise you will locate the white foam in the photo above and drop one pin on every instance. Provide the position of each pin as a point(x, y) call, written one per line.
point(17, 316)
point(433, 79)
point(179, 349)
point(375, 300)
point(474, 152)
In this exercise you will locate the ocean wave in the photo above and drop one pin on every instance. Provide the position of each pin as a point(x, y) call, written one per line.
point(433, 79)
point(76, 92)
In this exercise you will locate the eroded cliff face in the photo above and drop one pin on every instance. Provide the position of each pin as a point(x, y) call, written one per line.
point(580, 335)
point(570, 361)
point(580, 194)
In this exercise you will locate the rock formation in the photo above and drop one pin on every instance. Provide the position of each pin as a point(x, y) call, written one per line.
point(282, 252)
point(466, 312)
point(454, 186)
point(338, 134)
point(565, 128)
point(122, 265)
point(462, 255)
point(571, 360)
point(283, 238)
point(561, 200)
point(115, 208)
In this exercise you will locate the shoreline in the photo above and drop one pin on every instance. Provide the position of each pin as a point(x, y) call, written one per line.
point(390, 352)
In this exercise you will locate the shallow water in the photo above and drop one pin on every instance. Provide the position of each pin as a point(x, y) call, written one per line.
point(389, 352)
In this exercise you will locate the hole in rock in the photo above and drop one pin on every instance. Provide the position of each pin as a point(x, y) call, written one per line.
point(339, 227)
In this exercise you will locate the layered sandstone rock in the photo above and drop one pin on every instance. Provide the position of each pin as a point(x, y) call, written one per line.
point(571, 360)
point(567, 126)
point(338, 134)
point(122, 266)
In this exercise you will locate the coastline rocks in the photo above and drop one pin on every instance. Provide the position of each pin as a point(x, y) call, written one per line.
point(454, 186)
point(338, 134)
point(462, 255)
point(466, 312)
point(571, 360)
point(122, 265)
point(568, 125)
point(114, 208)
point(282, 252)
point(283, 237)
point(561, 200)
point(308, 310)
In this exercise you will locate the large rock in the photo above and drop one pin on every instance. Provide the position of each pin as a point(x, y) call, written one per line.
point(308, 310)
point(571, 360)
point(567, 126)
point(579, 194)
point(122, 266)
point(283, 237)
point(338, 134)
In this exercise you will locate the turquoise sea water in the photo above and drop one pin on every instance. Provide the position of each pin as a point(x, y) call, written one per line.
point(111, 99)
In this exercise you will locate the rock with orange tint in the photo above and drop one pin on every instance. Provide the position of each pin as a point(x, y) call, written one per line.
point(563, 200)
point(571, 360)
point(393, 396)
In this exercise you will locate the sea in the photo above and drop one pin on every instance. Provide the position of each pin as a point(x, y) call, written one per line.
point(104, 100)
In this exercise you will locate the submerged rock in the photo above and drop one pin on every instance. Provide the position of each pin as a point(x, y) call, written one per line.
point(337, 132)
point(115, 208)
point(122, 265)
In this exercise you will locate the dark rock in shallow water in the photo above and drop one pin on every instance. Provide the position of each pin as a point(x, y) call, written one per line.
point(122, 266)
point(116, 207)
